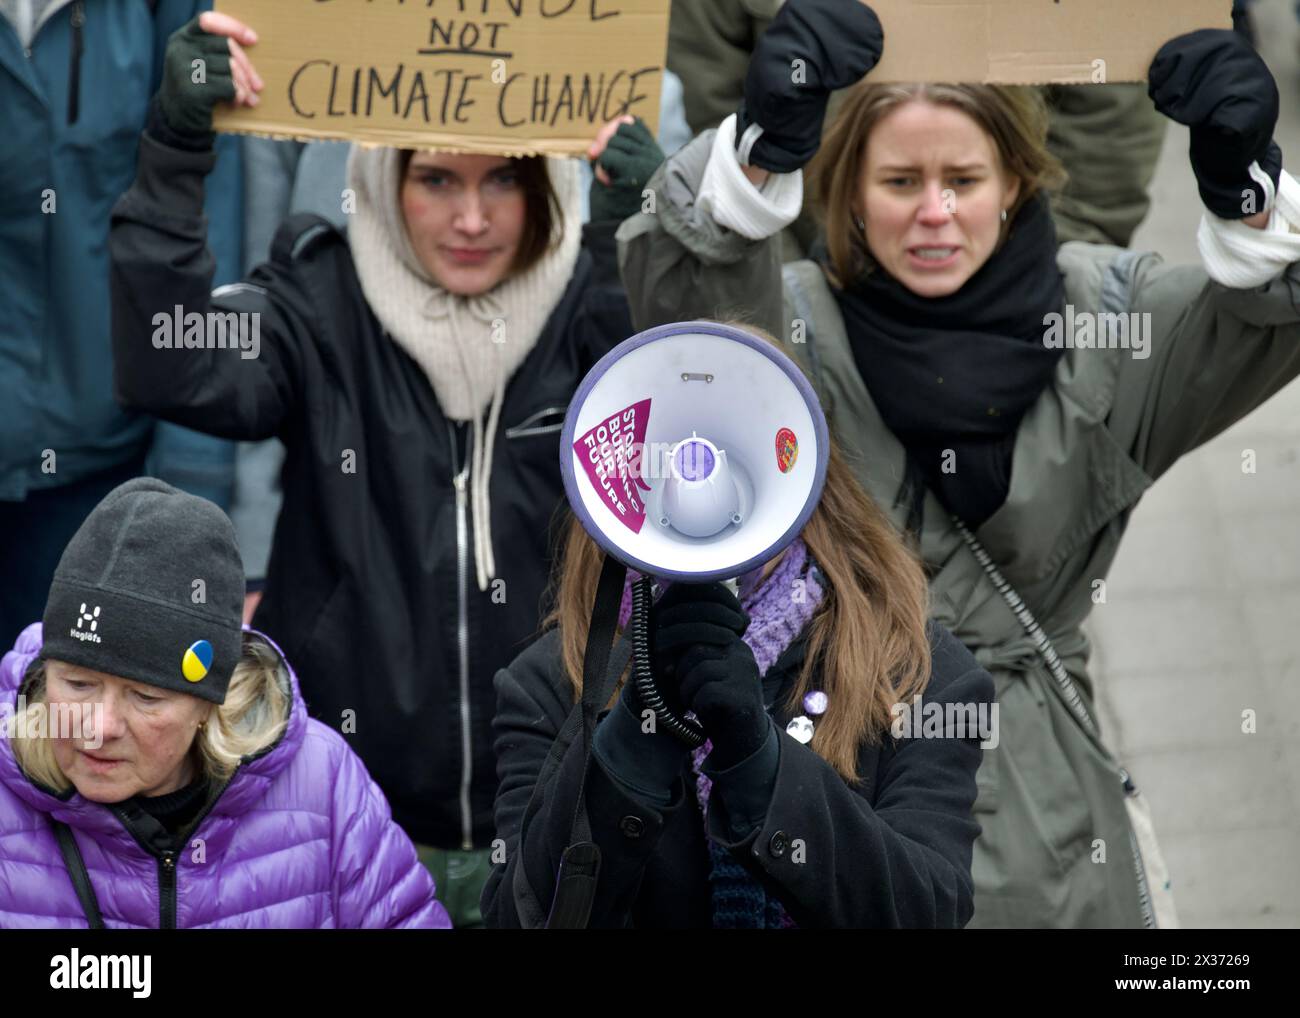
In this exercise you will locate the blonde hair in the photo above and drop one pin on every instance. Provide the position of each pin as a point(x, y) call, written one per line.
point(867, 645)
point(1013, 116)
point(251, 720)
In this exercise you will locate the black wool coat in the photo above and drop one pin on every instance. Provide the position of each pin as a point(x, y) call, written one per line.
point(894, 851)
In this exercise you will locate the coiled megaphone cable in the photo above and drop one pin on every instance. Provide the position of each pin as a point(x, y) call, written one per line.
point(682, 729)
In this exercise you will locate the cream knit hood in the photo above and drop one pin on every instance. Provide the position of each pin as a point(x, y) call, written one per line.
point(468, 347)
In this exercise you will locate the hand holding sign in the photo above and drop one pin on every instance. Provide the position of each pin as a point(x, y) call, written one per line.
point(1214, 82)
point(626, 157)
point(247, 81)
point(204, 65)
point(598, 146)
point(812, 48)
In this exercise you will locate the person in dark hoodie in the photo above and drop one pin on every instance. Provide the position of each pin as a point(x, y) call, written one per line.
point(816, 802)
point(417, 371)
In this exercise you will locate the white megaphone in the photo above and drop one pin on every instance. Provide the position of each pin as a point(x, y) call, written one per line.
point(694, 452)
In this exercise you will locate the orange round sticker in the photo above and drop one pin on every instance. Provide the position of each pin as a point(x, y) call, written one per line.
point(787, 450)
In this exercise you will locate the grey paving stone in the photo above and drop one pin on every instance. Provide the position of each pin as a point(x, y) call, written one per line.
point(1208, 587)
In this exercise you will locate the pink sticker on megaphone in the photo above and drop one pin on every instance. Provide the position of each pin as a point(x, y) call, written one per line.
point(787, 450)
point(611, 453)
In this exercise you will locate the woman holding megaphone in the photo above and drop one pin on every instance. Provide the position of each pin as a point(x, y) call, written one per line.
point(1008, 405)
point(416, 369)
point(816, 802)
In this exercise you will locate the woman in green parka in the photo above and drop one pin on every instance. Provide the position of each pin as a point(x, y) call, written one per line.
point(1007, 403)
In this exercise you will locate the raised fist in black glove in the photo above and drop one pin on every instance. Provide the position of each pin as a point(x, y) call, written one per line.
point(701, 664)
point(1213, 81)
point(812, 48)
point(204, 64)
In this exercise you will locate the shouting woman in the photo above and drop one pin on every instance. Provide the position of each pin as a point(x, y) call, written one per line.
point(1010, 445)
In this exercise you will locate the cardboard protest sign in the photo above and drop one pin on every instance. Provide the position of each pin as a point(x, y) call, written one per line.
point(498, 76)
point(1032, 41)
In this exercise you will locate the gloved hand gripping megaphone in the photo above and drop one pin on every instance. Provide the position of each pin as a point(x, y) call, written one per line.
point(692, 452)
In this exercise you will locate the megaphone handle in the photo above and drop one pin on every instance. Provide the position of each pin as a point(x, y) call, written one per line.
point(683, 729)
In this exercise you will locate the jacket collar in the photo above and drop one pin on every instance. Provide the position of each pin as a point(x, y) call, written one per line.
point(12, 57)
point(15, 62)
point(248, 785)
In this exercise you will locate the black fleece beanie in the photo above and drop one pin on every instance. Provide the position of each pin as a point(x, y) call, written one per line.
point(151, 588)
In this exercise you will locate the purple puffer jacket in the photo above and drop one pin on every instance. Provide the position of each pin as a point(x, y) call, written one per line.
point(300, 838)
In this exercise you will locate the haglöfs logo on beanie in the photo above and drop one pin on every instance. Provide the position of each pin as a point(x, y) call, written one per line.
point(91, 621)
point(197, 660)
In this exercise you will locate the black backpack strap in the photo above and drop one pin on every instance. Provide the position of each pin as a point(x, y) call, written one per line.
point(80, 877)
point(579, 870)
point(298, 234)
point(532, 912)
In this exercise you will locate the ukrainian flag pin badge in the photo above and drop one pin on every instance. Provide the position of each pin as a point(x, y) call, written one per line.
point(197, 660)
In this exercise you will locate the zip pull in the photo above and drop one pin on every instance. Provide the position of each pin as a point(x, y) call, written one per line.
point(461, 482)
point(167, 891)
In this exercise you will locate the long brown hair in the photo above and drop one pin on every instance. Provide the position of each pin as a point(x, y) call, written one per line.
point(1013, 116)
point(867, 642)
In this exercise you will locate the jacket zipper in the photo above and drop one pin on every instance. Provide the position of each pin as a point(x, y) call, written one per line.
point(167, 859)
point(167, 890)
point(460, 479)
point(78, 20)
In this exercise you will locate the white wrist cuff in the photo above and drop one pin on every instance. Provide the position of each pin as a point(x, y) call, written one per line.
point(728, 196)
point(1242, 257)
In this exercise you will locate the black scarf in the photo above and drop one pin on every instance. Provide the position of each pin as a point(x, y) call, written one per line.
point(959, 372)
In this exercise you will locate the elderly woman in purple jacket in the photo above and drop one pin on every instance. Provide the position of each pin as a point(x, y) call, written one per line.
point(160, 769)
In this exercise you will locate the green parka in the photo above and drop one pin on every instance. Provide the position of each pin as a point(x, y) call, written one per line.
point(1050, 802)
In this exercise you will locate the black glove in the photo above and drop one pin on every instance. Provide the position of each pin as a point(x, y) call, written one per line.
point(187, 105)
point(1215, 83)
point(838, 42)
point(702, 664)
point(630, 159)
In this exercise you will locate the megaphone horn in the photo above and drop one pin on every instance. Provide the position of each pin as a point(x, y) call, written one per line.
point(694, 451)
